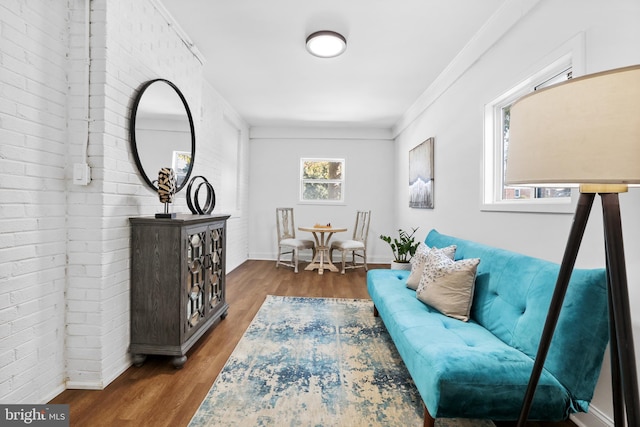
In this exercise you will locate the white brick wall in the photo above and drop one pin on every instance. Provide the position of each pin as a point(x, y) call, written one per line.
point(64, 249)
point(136, 44)
point(33, 135)
point(84, 211)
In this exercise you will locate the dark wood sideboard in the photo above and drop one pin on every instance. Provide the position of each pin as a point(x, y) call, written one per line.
point(177, 283)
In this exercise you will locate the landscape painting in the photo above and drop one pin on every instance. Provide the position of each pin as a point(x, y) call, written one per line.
point(421, 175)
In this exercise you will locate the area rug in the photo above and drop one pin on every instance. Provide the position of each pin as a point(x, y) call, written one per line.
point(315, 362)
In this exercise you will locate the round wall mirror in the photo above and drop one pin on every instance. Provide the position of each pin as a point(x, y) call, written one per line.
point(162, 132)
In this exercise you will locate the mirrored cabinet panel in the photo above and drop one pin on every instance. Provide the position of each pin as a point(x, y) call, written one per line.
point(216, 268)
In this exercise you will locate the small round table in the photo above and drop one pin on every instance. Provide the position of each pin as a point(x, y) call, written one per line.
point(322, 236)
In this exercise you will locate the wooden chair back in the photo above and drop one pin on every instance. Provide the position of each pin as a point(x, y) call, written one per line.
point(285, 223)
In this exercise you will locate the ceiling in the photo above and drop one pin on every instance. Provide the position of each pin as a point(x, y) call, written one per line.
point(256, 58)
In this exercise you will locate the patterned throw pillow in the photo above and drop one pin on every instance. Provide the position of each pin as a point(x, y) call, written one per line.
point(448, 285)
point(418, 259)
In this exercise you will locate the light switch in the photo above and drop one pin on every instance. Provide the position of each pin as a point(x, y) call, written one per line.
point(81, 174)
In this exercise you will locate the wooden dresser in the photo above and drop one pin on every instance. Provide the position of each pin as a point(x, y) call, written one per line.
point(177, 283)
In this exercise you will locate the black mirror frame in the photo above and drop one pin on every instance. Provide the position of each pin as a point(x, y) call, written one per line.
point(132, 133)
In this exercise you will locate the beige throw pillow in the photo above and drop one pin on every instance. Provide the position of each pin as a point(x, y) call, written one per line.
point(418, 259)
point(448, 285)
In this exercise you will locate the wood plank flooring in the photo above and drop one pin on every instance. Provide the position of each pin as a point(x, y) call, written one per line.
point(156, 394)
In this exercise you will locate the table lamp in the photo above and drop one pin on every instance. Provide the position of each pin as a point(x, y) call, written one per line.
point(585, 132)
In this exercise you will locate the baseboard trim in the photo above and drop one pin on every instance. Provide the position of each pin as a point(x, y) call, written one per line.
point(264, 256)
point(49, 397)
point(593, 418)
point(99, 385)
point(119, 371)
point(88, 385)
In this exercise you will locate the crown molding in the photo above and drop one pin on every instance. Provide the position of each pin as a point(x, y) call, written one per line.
point(510, 13)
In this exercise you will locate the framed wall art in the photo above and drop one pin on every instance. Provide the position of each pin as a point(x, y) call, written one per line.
point(421, 175)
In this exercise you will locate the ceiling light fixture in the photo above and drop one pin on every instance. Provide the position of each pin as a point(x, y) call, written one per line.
point(326, 44)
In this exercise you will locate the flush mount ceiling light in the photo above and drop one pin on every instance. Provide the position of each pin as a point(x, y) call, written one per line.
point(326, 44)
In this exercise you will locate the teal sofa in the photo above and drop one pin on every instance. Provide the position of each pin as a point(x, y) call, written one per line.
point(480, 368)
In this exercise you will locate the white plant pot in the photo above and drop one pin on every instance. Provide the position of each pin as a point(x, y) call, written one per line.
point(400, 265)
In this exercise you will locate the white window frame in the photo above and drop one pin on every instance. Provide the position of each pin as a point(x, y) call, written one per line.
point(492, 172)
point(341, 181)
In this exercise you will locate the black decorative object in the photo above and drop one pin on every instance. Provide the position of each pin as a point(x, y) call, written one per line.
point(211, 197)
point(166, 191)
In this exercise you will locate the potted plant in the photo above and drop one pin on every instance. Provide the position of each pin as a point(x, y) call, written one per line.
point(403, 247)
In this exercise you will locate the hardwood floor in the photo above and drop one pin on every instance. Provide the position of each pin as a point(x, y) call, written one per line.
point(156, 394)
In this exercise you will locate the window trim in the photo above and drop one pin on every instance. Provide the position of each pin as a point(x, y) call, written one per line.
point(303, 201)
point(492, 171)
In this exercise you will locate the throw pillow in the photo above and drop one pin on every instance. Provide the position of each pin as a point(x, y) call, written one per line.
point(418, 259)
point(448, 285)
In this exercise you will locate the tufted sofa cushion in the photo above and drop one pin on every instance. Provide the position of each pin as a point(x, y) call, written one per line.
point(480, 369)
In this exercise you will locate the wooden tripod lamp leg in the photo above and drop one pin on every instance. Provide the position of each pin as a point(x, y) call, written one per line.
point(625, 369)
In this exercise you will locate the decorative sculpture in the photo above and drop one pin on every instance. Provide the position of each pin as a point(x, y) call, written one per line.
point(166, 191)
point(211, 197)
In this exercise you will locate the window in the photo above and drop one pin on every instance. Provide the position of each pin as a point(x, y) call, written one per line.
point(498, 196)
point(524, 193)
point(322, 180)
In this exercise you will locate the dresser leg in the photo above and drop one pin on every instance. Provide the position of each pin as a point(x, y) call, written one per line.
point(179, 361)
point(138, 359)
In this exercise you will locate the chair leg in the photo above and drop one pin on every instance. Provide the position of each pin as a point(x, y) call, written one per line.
point(278, 260)
point(344, 256)
point(294, 260)
point(364, 259)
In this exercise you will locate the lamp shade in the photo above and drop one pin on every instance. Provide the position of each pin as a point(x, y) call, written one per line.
point(583, 131)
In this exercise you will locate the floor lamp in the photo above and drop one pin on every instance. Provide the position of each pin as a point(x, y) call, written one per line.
point(585, 132)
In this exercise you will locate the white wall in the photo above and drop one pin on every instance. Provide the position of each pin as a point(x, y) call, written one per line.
point(216, 115)
point(275, 182)
point(64, 248)
point(454, 116)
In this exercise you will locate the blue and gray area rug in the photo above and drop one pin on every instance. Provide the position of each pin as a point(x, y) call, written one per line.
point(315, 362)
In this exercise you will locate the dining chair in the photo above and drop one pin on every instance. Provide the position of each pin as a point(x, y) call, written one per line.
point(357, 245)
point(287, 241)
